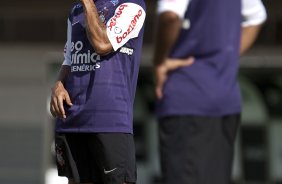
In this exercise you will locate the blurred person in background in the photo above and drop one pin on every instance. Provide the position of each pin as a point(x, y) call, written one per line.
point(92, 99)
point(196, 61)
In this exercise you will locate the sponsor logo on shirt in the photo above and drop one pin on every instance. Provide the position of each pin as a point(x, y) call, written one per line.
point(65, 49)
point(74, 23)
point(126, 50)
point(186, 24)
point(85, 68)
point(59, 156)
point(114, 2)
point(117, 16)
point(125, 24)
point(103, 13)
point(83, 60)
point(131, 26)
point(118, 30)
point(77, 6)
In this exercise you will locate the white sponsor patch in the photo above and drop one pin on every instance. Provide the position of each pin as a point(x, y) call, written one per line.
point(125, 24)
point(126, 50)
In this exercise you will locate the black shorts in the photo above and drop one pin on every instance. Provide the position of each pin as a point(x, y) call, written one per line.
point(103, 158)
point(196, 149)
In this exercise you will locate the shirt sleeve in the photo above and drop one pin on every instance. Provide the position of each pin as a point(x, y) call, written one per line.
point(67, 49)
point(177, 6)
point(253, 12)
point(125, 24)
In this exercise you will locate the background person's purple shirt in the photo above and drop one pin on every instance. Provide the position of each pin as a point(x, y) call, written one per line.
point(209, 86)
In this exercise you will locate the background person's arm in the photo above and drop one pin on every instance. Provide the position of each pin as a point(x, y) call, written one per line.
point(169, 24)
point(254, 15)
point(248, 37)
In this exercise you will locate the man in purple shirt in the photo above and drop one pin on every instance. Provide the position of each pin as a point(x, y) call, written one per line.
point(92, 99)
point(196, 61)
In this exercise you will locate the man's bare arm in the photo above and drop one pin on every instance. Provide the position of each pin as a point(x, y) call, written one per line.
point(63, 73)
point(96, 30)
point(59, 94)
point(248, 37)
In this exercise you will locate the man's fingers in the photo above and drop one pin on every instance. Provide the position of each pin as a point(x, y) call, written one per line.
point(59, 95)
point(159, 92)
point(174, 64)
point(53, 111)
point(55, 105)
point(159, 86)
point(68, 100)
point(161, 77)
point(61, 107)
point(188, 61)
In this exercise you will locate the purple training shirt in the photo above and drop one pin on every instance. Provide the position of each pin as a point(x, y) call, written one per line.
point(102, 88)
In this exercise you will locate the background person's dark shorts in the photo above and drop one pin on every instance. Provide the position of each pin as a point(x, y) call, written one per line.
point(197, 149)
point(103, 158)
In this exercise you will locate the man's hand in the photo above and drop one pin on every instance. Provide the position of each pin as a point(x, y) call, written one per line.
point(162, 71)
point(59, 95)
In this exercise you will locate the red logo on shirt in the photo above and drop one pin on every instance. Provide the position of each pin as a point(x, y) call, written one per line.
point(116, 16)
point(131, 27)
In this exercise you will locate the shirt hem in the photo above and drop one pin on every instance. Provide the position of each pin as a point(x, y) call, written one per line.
point(169, 114)
point(100, 130)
